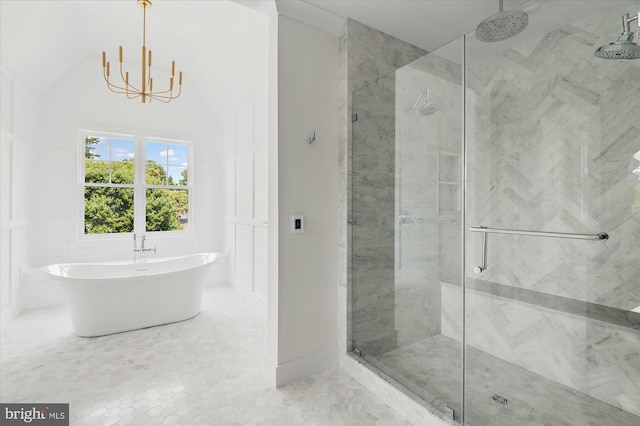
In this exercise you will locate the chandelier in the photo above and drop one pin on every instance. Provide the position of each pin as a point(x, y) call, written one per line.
point(146, 88)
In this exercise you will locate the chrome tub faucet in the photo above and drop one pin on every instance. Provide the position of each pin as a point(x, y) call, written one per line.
point(142, 250)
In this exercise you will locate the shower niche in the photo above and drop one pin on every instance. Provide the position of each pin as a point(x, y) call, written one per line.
point(534, 134)
point(448, 183)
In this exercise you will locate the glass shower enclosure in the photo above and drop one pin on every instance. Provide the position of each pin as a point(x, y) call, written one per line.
point(495, 220)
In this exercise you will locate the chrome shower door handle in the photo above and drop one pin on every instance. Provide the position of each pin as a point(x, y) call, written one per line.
point(483, 267)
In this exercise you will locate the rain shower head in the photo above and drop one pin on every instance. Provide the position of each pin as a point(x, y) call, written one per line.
point(502, 25)
point(624, 47)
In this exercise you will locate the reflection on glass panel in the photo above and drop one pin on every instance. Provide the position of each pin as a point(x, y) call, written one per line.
point(108, 210)
point(167, 209)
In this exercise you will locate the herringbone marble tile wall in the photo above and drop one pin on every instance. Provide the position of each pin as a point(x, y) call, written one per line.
point(552, 134)
point(554, 131)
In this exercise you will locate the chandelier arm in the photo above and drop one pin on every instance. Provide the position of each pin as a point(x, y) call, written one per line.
point(121, 75)
point(163, 92)
point(128, 86)
point(170, 91)
point(132, 88)
point(158, 96)
point(162, 99)
point(121, 90)
point(111, 87)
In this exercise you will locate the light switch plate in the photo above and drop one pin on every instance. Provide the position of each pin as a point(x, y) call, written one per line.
point(297, 224)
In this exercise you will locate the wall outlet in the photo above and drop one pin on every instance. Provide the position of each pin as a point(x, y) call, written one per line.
point(297, 224)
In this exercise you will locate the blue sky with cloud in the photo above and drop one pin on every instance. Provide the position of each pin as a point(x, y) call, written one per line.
point(121, 149)
point(174, 158)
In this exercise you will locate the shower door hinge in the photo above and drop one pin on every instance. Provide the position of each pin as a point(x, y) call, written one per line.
point(449, 412)
point(354, 117)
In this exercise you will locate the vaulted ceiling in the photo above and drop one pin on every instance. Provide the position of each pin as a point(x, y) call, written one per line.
point(222, 46)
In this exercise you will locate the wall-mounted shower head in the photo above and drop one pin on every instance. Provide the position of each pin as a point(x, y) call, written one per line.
point(430, 105)
point(502, 25)
point(624, 47)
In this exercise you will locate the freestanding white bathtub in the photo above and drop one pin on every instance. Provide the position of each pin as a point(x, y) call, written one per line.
point(107, 298)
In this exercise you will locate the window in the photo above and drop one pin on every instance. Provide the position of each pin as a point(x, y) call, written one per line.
point(167, 181)
point(134, 184)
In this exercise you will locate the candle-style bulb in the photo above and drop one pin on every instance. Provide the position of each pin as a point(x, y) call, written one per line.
point(149, 59)
point(104, 59)
point(173, 68)
point(126, 78)
point(120, 49)
point(170, 83)
point(180, 78)
point(107, 69)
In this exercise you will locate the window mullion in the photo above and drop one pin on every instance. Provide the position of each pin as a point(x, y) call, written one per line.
point(139, 188)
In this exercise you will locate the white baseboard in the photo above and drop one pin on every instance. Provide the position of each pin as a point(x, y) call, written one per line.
point(304, 367)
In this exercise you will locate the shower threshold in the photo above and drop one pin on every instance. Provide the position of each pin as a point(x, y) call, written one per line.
point(498, 393)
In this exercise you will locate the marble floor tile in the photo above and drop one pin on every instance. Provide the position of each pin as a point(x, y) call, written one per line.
point(432, 370)
point(204, 371)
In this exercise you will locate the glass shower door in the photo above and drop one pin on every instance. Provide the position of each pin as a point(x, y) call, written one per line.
point(406, 229)
point(552, 322)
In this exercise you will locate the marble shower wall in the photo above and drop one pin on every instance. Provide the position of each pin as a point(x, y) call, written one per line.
point(373, 180)
point(552, 134)
point(365, 207)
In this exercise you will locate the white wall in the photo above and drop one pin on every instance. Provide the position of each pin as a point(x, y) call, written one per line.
point(17, 195)
point(246, 193)
point(303, 283)
point(82, 101)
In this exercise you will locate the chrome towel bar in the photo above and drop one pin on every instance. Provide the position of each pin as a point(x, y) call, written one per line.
point(599, 236)
point(485, 231)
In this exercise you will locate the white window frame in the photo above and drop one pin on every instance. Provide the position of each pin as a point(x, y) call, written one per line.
point(139, 186)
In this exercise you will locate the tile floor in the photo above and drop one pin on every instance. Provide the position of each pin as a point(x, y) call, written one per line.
point(207, 370)
point(431, 369)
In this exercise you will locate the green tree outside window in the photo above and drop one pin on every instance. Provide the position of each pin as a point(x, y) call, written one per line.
point(109, 199)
